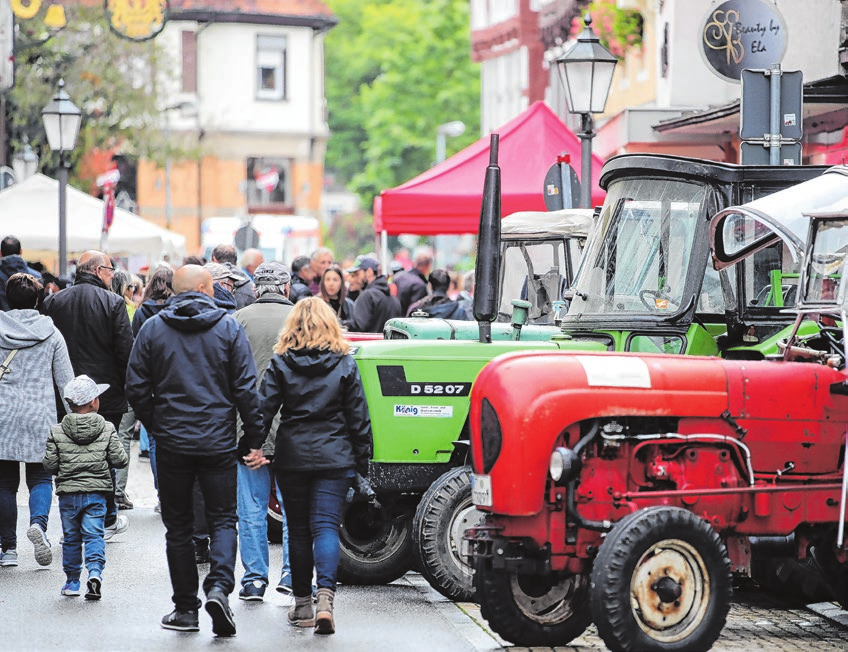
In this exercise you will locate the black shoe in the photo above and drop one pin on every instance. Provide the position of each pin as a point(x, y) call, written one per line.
point(218, 608)
point(181, 621)
point(93, 588)
point(124, 503)
point(254, 591)
point(145, 455)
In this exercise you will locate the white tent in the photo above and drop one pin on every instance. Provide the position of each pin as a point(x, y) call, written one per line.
point(30, 211)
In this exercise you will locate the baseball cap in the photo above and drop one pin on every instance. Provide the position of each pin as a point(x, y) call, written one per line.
point(82, 390)
point(271, 273)
point(220, 271)
point(364, 262)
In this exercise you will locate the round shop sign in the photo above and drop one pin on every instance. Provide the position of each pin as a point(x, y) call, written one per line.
point(136, 20)
point(740, 34)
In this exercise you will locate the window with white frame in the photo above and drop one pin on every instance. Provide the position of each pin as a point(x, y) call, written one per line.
point(270, 67)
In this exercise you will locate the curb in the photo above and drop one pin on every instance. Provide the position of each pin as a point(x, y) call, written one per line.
point(830, 611)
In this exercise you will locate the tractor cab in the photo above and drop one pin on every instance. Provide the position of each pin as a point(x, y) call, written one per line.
point(646, 282)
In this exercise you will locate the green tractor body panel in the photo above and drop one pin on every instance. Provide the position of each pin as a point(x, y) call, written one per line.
point(418, 396)
point(426, 328)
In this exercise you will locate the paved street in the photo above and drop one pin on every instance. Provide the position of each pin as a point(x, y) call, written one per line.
point(406, 615)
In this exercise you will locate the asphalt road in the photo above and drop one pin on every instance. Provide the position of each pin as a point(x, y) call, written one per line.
point(406, 615)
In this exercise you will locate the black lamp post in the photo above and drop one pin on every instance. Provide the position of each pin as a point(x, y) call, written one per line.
point(586, 71)
point(61, 119)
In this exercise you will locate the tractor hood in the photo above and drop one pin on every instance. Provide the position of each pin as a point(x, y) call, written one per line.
point(739, 231)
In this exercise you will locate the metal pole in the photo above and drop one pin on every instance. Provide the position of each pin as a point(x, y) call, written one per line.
point(586, 136)
point(441, 147)
point(63, 184)
point(774, 116)
point(167, 169)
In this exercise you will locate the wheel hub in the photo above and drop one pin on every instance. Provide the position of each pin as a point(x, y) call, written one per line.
point(669, 591)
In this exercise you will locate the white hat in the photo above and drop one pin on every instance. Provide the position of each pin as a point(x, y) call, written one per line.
point(82, 390)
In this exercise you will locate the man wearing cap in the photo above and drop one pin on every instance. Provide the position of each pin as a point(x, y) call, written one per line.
point(262, 321)
point(242, 286)
point(375, 304)
point(224, 286)
point(190, 371)
point(96, 328)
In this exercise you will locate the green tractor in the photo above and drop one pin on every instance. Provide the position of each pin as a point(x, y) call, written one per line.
point(645, 285)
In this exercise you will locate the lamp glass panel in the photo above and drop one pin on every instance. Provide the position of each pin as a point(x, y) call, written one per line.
point(69, 130)
point(601, 81)
point(579, 85)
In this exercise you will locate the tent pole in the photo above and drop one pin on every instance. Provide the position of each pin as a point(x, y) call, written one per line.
point(384, 252)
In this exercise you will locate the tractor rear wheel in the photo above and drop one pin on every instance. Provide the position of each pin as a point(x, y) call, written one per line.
point(533, 610)
point(443, 515)
point(375, 548)
point(661, 582)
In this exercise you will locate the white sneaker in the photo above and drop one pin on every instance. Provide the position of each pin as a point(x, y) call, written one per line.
point(120, 525)
point(41, 546)
point(9, 558)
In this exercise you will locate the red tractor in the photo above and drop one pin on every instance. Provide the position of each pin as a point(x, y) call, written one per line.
point(629, 490)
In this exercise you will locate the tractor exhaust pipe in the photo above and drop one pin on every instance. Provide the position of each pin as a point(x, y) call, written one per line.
point(488, 265)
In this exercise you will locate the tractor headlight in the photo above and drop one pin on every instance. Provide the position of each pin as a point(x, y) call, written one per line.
point(564, 465)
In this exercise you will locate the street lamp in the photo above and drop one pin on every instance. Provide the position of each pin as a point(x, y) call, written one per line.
point(25, 162)
point(61, 119)
point(586, 71)
point(453, 129)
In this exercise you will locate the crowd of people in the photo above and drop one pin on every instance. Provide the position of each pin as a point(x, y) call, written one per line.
point(238, 377)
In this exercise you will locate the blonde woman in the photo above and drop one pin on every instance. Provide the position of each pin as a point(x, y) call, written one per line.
point(323, 437)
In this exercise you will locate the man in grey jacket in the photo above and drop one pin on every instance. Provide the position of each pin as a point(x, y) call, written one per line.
point(262, 321)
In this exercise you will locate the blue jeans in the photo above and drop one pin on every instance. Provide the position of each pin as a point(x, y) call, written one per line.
point(83, 516)
point(40, 485)
point(254, 488)
point(216, 475)
point(313, 502)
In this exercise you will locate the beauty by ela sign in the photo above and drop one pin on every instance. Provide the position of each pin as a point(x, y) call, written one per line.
point(740, 34)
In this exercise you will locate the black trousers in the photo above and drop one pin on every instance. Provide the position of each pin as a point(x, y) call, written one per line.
point(217, 477)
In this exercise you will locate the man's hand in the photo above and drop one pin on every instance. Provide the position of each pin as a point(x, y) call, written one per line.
point(255, 459)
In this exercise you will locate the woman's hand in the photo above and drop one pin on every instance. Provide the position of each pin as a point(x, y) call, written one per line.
point(255, 459)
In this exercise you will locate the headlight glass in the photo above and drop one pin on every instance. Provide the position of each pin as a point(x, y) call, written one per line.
point(556, 466)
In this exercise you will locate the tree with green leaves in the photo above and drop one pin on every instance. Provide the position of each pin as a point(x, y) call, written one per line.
point(115, 82)
point(395, 71)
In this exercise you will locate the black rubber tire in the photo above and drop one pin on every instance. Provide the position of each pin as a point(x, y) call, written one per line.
point(643, 545)
point(373, 551)
point(275, 528)
point(530, 611)
point(443, 514)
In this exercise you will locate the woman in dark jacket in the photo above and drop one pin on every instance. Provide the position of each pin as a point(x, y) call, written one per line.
point(157, 291)
point(323, 438)
point(333, 291)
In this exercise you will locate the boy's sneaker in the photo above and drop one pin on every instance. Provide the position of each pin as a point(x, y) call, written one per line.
point(43, 552)
point(93, 587)
point(181, 621)
point(218, 608)
point(254, 591)
point(71, 588)
point(9, 558)
point(285, 585)
point(120, 525)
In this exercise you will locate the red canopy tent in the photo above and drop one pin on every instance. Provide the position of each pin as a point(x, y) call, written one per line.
point(446, 199)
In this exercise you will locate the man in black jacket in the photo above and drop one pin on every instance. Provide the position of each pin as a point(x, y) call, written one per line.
point(190, 370)
point(301, 273)
point(439, 304)
point(375, 304)
point(412, 284)
point(11, 262)
point(96, 328)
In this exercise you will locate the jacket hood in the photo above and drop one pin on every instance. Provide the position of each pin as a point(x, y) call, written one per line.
point(13, 264)
point(191, 311)
point(21, 329)
point(380, 284)
point(83, 428)
point(224, 298)
point(311, 362)
point(151, 307)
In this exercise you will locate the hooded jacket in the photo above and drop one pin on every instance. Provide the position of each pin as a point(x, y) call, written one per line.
point(411, 286)
point(191, 368)
point(373, 307)
point(299, 289)
point(96, 328)
point(144, 312)
point(441, 306)
point(27, 397)
point(80, 451)
point(324, 420)
point(224, 298)
point(10, 265)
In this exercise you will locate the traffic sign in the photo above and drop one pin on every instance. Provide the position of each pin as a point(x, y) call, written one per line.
point(755, 109)
point(246, 238)
point(562, 189)
point(757, 154)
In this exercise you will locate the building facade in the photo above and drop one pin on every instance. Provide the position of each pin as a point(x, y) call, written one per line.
point(247, 99)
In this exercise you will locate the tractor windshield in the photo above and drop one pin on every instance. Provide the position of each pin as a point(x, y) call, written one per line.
point(639, 260)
